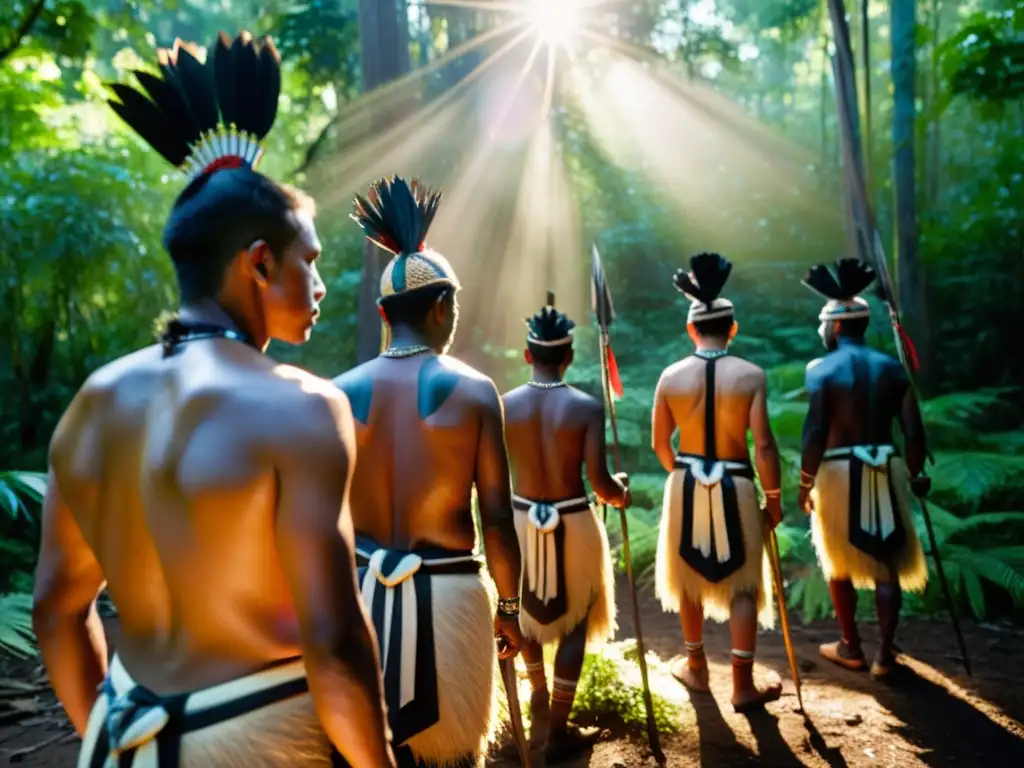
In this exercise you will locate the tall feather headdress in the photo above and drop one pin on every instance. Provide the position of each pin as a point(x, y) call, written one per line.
point(396, 215)
point(703, 284)
point(548, 327)
point(205, 116)
point(841, 287)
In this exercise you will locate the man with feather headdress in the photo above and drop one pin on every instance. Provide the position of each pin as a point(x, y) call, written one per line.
point(853, 481)
point(205, 484)
point(568, 580)
point(711, 553)
point(429, 430)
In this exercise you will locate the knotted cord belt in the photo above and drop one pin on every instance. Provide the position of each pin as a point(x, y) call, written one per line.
point(144, 730)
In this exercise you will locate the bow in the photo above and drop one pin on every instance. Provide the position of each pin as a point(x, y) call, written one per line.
point(601, 303)
point(869, 244)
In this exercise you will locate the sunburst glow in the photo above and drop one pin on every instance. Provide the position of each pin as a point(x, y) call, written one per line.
point(556, 22)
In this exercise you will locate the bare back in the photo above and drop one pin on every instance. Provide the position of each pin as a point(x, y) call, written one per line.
point(418, 432)
point(546, 431)
point(681, 391)
point(161, 462)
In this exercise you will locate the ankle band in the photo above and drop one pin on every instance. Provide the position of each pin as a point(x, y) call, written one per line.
point(561, 684)
point(694, 646)
point(742, 657)
point(537, 666)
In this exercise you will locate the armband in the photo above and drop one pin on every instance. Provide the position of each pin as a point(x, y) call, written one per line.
point(508, 606)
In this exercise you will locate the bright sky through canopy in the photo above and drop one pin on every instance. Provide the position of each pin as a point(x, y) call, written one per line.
point(556, 21)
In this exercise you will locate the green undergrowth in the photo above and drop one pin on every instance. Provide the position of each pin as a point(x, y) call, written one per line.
point(603, 693)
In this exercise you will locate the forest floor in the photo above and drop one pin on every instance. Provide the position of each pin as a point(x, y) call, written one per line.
point(931, 714)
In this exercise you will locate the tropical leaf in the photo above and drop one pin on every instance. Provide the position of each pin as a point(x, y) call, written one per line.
point(16, 635)
point(1006, 443)
point(15, 488)
point(970, 479)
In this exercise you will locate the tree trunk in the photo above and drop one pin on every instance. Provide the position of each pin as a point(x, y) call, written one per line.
point(868, 136)
point(384, 45)
point(908, 276)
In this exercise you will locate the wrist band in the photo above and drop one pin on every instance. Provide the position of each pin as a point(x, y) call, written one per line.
point(806, 486)
point(807, 476)
point(508, 606)
point(773, 494)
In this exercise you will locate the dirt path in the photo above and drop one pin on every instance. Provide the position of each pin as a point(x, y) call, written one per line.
point(932, 715)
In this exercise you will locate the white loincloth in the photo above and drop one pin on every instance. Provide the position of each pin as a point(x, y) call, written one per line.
point(279, 730)
point(882, 519)
point(676, 579)
point(567, 570)
point(444, 692)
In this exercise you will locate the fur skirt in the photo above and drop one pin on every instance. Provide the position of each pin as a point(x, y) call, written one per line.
point(830, 527)
point(676, 581)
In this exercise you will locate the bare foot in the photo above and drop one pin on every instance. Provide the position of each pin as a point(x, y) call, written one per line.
point(840, 653)
point(755, 698)
point(540, 714)
point(567, 744)
point(694, 675)
point(883, 665)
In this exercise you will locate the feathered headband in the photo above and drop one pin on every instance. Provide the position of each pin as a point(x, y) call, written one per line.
point(396, 215)
point(202, 117)
point(549, 327)
point(702, 285)
point(841, 287)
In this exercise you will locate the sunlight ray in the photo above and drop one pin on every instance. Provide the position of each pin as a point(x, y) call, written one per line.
point(523, 72)
point(407, 137)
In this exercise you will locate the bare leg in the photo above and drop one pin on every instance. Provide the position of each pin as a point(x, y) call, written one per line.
point(743, 629)
point(888, 601)
point(847, 652)
point(693, 670)
point(565, 741)
point(533, 655)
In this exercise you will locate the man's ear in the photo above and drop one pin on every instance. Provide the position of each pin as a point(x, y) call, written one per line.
point(528, 356)
point(570, 356)
point(260, 261)
point(734, 330)
point(691, 330)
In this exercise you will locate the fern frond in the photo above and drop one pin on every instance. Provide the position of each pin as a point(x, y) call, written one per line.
point(969, 478)
point(16, 636)
point(999, 572)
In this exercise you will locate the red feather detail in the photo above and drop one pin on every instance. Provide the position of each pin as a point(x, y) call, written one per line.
point(614, 381)
point(909, 349)
point(227, 161)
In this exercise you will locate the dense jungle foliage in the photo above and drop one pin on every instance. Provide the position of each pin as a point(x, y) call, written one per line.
point(84, 277)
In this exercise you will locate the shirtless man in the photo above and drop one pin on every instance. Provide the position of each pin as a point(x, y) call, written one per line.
point(207, 487)
point(852, 473)
point(429, 429)
point(568, 581)
point(711, 555)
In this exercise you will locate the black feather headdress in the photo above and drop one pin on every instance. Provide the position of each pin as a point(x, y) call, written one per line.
point(842, 287)
point(204, 116)
point(549, 327)
point(396, 216)
point(703, 284)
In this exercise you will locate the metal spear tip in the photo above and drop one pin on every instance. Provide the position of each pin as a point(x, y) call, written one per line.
point(600, 294)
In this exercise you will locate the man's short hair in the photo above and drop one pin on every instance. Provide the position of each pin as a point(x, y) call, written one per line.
point(221, 213)
point(411, 307)
point(544, 355)
point(715, 328)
